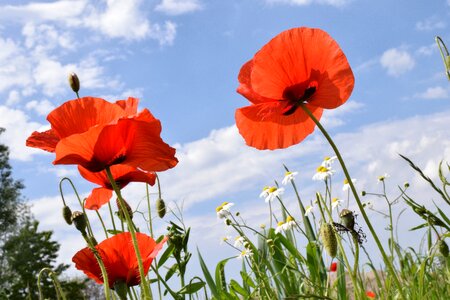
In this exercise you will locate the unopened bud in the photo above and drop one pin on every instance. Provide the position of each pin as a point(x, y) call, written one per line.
point(443, 248)
point(67, 214)
point(121, 209)
point(329, 239)
point(79, 220)
point(347, 218)
point(228, 222)
point(160, 208)
point(74, 82)
point(363, 193)
point(406, 185)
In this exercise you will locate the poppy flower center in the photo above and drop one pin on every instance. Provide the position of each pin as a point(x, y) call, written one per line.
point(296, 95)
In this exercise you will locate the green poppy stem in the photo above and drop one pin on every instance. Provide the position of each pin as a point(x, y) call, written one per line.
point(144, 285)
point(387, 261)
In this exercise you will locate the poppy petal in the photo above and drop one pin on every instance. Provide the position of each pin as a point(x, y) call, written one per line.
point(77, 116)
point(129, 106)
point(303, 55)
point(245, 86)
point(263, 126)
point(97, 198)
point(46, 140)
point(85, 261)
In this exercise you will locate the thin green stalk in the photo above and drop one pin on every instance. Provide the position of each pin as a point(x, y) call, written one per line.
point(309, 230)
point(101, 221)
point(59, 292)
point(358, 201)
point(144, 285)
point(112, 215)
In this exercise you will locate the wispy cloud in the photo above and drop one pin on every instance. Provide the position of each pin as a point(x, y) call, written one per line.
point(336, 3)
point(436, 92)
point(178, 7)
point(397, 61)
point(432, 23)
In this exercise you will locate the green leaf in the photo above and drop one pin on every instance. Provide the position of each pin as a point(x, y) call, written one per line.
point(165, 255)
point(234, 285)
point(220, 274)
point(192, 288)
point(171, 271)
point(419, 226)
point(209, 280)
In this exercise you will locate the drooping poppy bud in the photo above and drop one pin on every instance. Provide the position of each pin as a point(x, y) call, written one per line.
point(160, 208)
point(120, 212)
point(74, 82)
point(329, 239)
point(67, 214)
point(79, 220)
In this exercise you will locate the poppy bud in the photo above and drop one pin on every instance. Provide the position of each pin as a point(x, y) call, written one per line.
point(443, 248)
point(329, 239)
point(160, 207)
point(79, 221)
point(67, 214)
point(120, 213)
point(74, 82)
point(121, 289)
point(347, 218)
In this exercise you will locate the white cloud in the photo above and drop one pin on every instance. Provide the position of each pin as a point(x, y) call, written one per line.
point(397, 61)
point(437, 92)
point(42, 107)
point(44, 38)
point(427, 50)
point(430, 24)
point(178, 7)
point(334, 117)
point(126, 20)
point(13, 98)
point(18, 128)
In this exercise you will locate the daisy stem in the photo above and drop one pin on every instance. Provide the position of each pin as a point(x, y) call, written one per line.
point(144, 285)
point(358, 201)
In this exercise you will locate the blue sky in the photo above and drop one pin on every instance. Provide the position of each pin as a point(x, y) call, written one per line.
point(182, 57)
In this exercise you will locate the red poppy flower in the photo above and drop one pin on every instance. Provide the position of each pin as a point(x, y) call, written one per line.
point(371, 294)
point(300, 66)
point(122, 175)
point(119, 257)
point(333, 267)
point(96, 134)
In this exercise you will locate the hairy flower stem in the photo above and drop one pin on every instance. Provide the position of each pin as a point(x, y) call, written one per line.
point(358, 201)
point(59, 292)
point(144, 285)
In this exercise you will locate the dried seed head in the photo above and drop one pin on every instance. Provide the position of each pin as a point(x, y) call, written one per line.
point(160, 208)
point(443, 248)
point(347, 218)
point(329, 240)
point(74, 82)
point(67, 214)
point(79, 220)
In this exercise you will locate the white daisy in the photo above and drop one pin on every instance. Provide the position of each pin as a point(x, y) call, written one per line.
point(223, 211)
point(225, 239)
point(328, 161)
point(335, 202)
point(308, 210)
point(383, 177)
point(323, 173)
point(289, 224)
point(245, 253)
point(239, 241)
point(288, 177)
point(346, 185)
point(280, 227)
point(270, 193)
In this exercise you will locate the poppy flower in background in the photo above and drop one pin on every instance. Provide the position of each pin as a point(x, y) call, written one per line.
point(333, 267)
point(371, 294)
point(300, 66)
point(96, 134)
point(122, 174)
point(119, 257)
